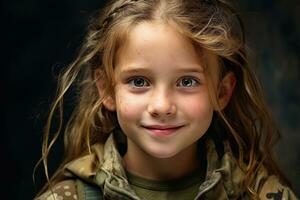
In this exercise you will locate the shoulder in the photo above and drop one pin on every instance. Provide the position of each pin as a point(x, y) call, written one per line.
point(64, 190)
point(271, 188)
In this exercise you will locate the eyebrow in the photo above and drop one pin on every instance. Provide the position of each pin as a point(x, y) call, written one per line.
point(134, 70)
point(197, 69)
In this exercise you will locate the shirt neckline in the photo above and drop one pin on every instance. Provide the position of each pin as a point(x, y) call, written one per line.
point(195, 177)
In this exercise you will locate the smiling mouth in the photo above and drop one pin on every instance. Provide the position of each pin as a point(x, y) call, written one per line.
point(162, 131)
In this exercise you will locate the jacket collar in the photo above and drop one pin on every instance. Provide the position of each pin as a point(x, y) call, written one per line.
point(103, 167)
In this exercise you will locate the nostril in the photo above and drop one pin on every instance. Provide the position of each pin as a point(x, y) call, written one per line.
point(162, 111)
point(161, 104)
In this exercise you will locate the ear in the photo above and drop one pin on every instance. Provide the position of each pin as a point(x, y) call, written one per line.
point(108, 102)
point(225, 89)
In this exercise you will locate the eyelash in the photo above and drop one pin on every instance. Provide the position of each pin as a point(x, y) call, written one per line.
point(146, 83)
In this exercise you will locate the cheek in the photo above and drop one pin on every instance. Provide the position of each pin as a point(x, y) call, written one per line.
point(198, 108)
point(128, 107)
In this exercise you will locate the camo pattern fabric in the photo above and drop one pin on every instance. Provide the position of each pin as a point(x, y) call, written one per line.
point(103, 168)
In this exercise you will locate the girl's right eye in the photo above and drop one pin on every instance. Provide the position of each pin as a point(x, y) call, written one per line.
point(138, 82)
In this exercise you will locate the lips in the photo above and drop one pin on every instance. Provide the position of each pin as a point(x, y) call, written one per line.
point(162, 130)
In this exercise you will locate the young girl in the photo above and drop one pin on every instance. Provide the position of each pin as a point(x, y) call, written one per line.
point(168, 108)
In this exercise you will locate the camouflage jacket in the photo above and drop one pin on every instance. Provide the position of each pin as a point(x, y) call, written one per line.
point(103, 168)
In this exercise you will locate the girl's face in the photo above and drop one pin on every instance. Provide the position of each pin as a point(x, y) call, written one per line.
point(161, 94)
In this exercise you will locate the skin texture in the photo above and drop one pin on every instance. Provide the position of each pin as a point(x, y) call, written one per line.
point(162, 101)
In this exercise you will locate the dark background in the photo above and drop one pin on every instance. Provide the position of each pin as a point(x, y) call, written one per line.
point(39, 38)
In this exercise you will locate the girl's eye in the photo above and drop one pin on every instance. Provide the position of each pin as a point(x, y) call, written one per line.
point(188, 82)
point(139, 82)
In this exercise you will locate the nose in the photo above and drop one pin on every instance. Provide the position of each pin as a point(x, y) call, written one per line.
point(161, 104)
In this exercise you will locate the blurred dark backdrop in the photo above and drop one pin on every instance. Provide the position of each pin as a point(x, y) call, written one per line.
point(39, 38)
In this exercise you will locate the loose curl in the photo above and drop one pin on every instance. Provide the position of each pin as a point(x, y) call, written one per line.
point(211, 25)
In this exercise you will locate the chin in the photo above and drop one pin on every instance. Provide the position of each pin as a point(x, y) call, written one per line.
point(162, 153)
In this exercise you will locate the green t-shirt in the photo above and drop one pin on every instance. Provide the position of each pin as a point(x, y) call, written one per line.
point(184, 188)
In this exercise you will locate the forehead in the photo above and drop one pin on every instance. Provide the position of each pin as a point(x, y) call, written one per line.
point(159, 44)
point(156, 35)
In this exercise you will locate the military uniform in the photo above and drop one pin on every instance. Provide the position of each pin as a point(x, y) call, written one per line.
point(222, 180)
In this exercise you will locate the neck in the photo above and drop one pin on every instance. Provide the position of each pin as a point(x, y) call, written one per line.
point(144, 165)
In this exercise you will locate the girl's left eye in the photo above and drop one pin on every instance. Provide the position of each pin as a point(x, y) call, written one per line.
point(188, 82)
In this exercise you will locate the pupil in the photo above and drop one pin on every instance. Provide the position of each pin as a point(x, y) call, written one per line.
point(186, 82)
point(139, 82)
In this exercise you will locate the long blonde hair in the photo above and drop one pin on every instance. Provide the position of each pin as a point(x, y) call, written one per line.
point(213, 25)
